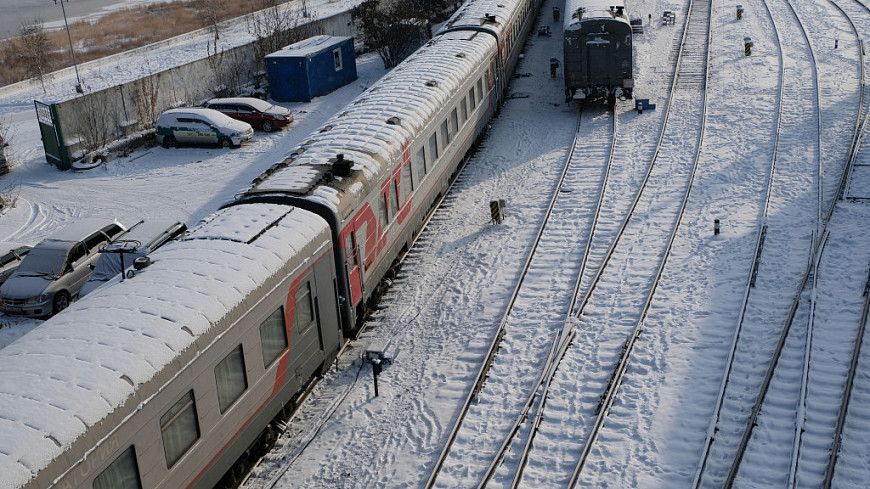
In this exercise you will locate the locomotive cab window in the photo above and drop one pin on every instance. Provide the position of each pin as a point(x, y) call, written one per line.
point(179, 428)
point(123, 473)
point(273, 336)
point(230, 378)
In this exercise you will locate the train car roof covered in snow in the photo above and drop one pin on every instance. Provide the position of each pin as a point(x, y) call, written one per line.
point(490, 14)
point(373, 131)
point(580, 10)
point(74, 370)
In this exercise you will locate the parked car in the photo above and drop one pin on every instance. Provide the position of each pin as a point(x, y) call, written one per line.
point(50, 277)
point(140, 240)
point(254, 111)
point(200, 125)
point(11, 255)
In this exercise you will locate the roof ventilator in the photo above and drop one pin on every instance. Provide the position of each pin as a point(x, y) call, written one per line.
point(431, 83)
point(460, 55)
point(340, 166)
point(394, 121)
point(489, 18)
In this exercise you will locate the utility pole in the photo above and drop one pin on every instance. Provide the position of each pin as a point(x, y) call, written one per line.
point(79, 88)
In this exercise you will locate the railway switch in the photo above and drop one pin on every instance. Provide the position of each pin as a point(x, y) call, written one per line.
point(379, 353)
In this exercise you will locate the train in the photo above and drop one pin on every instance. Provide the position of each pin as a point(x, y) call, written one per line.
point(597, 50)
point(166, 379)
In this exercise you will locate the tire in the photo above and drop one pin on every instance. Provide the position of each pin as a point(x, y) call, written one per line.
point(61, 301)
point(225, 142)
point(169, 142)
point(268, 126)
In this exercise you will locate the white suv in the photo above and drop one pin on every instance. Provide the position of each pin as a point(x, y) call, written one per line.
point(197, 125)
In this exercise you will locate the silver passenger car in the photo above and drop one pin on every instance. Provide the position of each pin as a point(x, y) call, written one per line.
point(53, 272)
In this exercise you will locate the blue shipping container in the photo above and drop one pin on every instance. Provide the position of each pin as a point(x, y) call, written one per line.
point(310, 68)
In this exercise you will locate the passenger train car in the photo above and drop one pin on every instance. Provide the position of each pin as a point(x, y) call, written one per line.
point(597, 50)
point(163, 380)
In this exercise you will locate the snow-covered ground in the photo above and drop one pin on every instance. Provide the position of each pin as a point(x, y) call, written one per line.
point(450, 295)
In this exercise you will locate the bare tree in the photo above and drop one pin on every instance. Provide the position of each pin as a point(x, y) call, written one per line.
point(97, 119)
point(275, 27)
point(393, 29)
point(210, 12)
point(147, 98)
point(4, 158)
point(31, 48)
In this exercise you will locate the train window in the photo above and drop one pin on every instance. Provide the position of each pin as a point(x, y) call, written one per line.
point(444, 133)
point(229, 376)
point(273, 336)
point(382, 211)
point(179, 428)
point(433, 151)
point(418, 164)
point(304, 315)
point(407, 185)
point(463, 111)
point(336, 58)
point(394, 199)
point(454, 123)
point(480, 91)
point(471, 98)
point(123, 473)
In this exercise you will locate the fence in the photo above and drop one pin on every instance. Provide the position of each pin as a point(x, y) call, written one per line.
point(94, 120)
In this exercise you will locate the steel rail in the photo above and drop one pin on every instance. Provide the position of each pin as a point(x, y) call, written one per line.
point(850, 380)
point(568, 331)
point(499, 335)
point(817, 242)
point(620, 370)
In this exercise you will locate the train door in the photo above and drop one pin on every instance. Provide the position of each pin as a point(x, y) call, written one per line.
point(352, 264)
point(598, 62)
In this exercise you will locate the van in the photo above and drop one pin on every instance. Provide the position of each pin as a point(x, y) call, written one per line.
point(198, 125)
point(50, 277)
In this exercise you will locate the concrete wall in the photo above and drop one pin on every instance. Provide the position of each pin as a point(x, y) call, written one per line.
point(96, 119)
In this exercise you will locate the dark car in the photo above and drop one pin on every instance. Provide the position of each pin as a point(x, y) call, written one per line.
point(11, 255)
point(256, 112)
point(140, 240)
point(54, 271)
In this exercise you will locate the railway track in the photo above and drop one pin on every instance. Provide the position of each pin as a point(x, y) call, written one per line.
point(533, 326)
point(794, 400)
point(658, 205)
